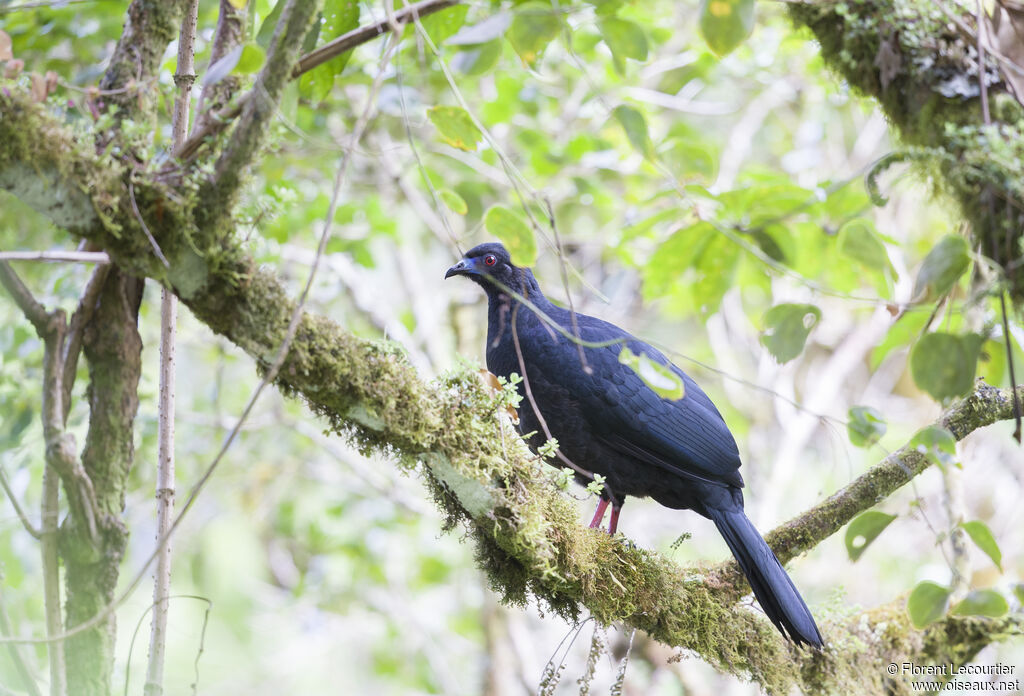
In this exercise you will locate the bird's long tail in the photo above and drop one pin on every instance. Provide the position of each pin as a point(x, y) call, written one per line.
point(772, 587)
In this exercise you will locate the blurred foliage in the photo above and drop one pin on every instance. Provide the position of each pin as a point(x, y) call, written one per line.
point(702, 187)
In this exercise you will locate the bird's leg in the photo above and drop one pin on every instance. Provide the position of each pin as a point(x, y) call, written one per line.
point(614, 522)
point(599, 515)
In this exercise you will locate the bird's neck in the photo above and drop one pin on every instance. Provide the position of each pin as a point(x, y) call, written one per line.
point(503, 308)
point(525, 286)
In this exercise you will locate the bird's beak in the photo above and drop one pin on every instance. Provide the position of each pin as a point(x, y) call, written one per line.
point(463, 267)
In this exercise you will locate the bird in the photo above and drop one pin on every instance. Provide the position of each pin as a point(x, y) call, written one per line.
point(606, 420)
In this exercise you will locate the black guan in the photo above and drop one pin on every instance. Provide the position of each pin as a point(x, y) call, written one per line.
point(608, 421)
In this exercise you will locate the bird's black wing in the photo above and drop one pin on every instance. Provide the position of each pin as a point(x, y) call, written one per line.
point(686, 437)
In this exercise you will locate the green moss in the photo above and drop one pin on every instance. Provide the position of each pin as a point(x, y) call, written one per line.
point(924, 73)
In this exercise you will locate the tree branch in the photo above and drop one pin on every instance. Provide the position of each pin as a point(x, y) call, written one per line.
point(932, 75)
point(18, 510)
point(6, 629)
point(214, 120)
point(50, 327)
point(228, 35)
point(112, 348)
point(361, 35)
point(184, 77)
point(529, 538)
point(130, 77)
point(983, 407)
point(74, 256)
point(22, 297)
point(217, 196)
point(79, 318)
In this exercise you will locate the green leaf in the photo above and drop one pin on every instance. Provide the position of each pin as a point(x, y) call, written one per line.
point(531, 31)
point(251, 60)
point(937, 444)
point(786, 328)
point(477, 60)
point(340, 17)
point(941, 268)
point(455, 126)
point(238, 4)
point(660, 378)
point(1018, 591)
point(981, 603)
point(859, 241)
point(442, 25)
point(943, 364)
point(866, 426)
point(927, 603)
point(513, 232)
point(266, 31)
point(14, 426)
point(316, 84)
point(863, 529)
point(491, 28)
point(625, 40)
point(635, 125)
point(454, 201)
point(982, 537)
point(724, 24)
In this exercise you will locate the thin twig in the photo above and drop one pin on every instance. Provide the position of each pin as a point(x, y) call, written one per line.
point(49, 512)
point(565, 284)
point(75, 256)
point(184, 78)
point(25, 521)
point(533, 402)
point(356, 37)
point(210, 123)
point(142, 223)
point(54, 4)
point(7, 629)
point(228, 35)
point(22, 297)
point(987, 118)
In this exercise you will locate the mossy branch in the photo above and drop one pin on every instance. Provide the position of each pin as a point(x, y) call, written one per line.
point(984, 406)
point(528, 536)
point(130, 78)
point(919, 60)
point(217, 197)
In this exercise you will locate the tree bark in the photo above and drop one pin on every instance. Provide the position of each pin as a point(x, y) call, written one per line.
point(112, 348)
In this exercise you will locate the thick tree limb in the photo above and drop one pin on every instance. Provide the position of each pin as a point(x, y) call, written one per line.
point(80, 317)
point(149, 27)
point(216, 119)
point(529, 537)
point(925, 70)
point(112, 348)
point(217, 197)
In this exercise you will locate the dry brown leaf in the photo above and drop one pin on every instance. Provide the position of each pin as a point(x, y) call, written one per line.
point(51, 81)
point(5, 46)
point(13, 68)
point(490, 380)
point(1006, 37)
point(38, 86)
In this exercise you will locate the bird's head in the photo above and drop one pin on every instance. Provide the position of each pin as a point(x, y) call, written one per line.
point(490, 262)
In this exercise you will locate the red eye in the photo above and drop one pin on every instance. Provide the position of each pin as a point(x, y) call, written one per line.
point(490, 260)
